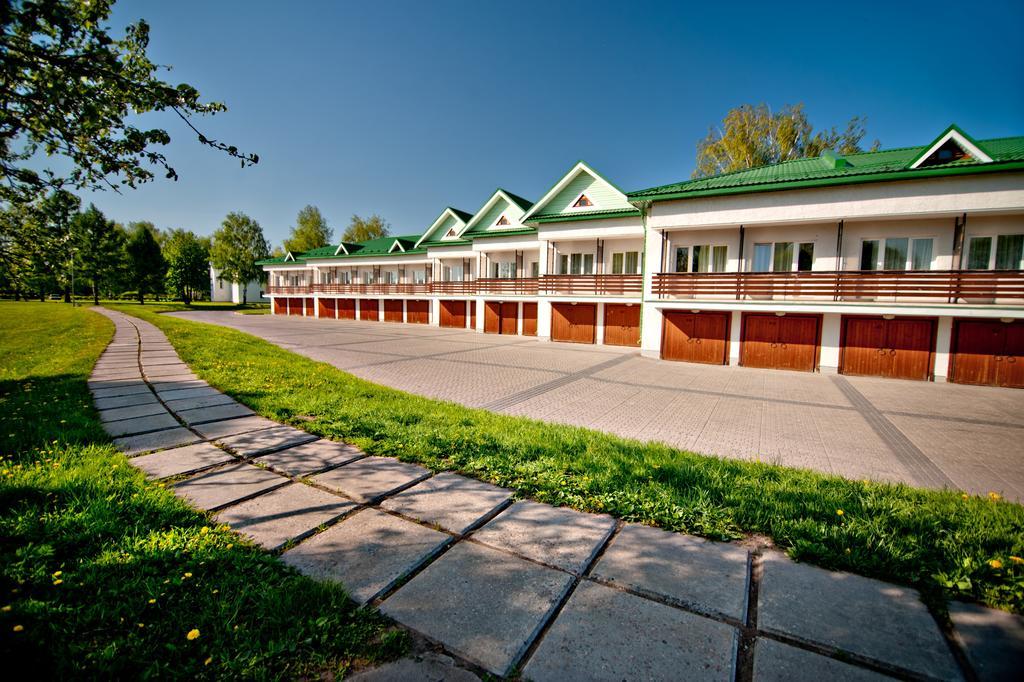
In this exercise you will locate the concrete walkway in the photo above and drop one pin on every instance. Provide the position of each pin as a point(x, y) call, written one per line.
point(925, 434)
point(506, 587)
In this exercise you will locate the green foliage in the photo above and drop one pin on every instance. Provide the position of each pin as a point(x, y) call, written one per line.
point(364, 229)
point(146, 263)
point(188, 264)
point(310, 232)
point(106, 573)
point(892, 532)
point(100, 252)
point(236, 247)
point(68, 89)
point(752, 136)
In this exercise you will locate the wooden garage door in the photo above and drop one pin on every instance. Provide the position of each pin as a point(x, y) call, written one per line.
point(295, 306)
point(509, 318)
point(453, 314)
point(989, 353)
point(621, 325)
point(369, 309)
point(529, 319)
point(788, 342)
point(899, 349)
point(472, 313)
point(573, 323)
point(695, 337)
point(328, 308)
point(492, 317)
point(346, 308)
point(417, 312)
point(310, 307)
point(392, 310)
point(280, 306)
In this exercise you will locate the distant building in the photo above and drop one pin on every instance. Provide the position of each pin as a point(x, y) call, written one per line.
point(223, 290)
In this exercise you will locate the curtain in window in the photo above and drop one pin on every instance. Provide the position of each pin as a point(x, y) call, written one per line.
point(534, 269)
point(762, 258)
point(869, 254)
point(616, 263)
point(588, 264)
point(632, 262)
point(805, 258)
point(576, 264)
point(701, 258)
point(783, 258)
point(896, 253)
point(1009, 251)
point(978, 253)
point(563, 265)
point(682, 258)
point(921, 255)
point(718, 259)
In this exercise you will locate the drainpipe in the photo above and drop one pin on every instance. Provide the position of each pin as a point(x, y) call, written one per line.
point(740, 268)
point(839, 257)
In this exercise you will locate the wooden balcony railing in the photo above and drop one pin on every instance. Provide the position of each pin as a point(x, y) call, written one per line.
point(360, 289)
point(289, 291)
point(522, 286)
point(951, 286)
point(588, 285)
point(459, 288)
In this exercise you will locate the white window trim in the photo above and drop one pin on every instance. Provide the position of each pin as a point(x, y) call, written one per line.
point(796, 253)
point(992, 249)
point(964, 143)
point(689, 254)
point(593, 207)
point(611, 261)
point(880, 260)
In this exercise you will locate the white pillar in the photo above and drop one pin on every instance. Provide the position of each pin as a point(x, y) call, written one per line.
point(599, 324)
point(481, 313)
point(273, 304)
point(435, 312)
point(316, 307)
point(543, 320)
point(380, 309)
point(357, 308)
point(831, 323)
point(405, 310)
point(735, 328)
point(519, 318)
point(943, 348)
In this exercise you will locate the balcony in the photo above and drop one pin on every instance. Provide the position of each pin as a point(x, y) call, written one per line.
point(521, 286)
point(362, 289)
point(948, 286)
point(592, 285)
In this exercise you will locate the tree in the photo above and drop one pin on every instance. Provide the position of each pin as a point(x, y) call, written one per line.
point(188, 264)
point(68, 88)
point(146, 265)
point(159, 235)
point(752, 136)
point(360, 230)
point(49, 232)
point(101, 249)
point(310, 232)
point(236, 247)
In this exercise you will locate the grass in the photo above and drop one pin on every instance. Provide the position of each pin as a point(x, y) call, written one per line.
point(103, 574)
point(946, 544)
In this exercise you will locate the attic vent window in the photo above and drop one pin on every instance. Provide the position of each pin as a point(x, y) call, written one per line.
point(583, 202)
point(948, 152)
point(502, 221)
point(451, 233)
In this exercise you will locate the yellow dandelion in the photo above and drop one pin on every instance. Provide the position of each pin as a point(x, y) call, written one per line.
point(57, 574)
point(965, 496)
point(215, 591)
point(1016, 559)
point(141, 625)
point(58, 581)
point(187, 575)
point(230, 545)
point(7, 609)
point(208, 661)
point(192, 634)
point(994, 496)
point(152, 601)
point(995, 563)
point(840, 512)
point(204, 530)
point(18, 628)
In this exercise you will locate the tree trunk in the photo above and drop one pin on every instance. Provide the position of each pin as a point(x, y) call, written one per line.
point(142, 297)
point(95, 293)
point(42, 293)
point(67, 294)
point(245, 290)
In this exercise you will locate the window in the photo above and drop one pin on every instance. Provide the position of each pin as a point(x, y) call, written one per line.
point(390, 277)
point(563, 264)
point(419, 276)
point(896, 254)
point(782, 260)
point(580, 263)
point(502, 221)
point(452, 273)
point(504, 270)
point(978, 253)
point(1010, 252)
point(535, 269)
point(762, 257)
point(707, 258)
point(921, 254)
point(625, 263)
point(616, 263)
point(345, 277)
point(869, 254)
point(682, 258)
point(368, 277)
point(451, 233)
point(583, 202)
point(779, 257)
point(805, 257)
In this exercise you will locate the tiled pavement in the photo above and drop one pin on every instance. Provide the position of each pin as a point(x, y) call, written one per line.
point(525, 588)
point(924, 434)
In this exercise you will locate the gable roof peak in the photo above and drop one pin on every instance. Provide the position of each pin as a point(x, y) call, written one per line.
point(939, 150)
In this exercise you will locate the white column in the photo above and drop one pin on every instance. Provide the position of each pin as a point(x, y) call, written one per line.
point(599, 324)
point(831, 323)
point(380, 309)
point(519, 318)
point(943, 348)
point(481, 313)
point(316, 307)
point(357, 307)
point(435, 312)
point(543, 319)
point(405, 310)
point(735, 327)
point(650, 331)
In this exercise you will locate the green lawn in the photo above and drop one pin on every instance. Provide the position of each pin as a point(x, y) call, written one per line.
point(944, 543)
point(104, 574)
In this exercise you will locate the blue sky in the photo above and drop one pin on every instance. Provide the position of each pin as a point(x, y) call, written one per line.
point(401, 108)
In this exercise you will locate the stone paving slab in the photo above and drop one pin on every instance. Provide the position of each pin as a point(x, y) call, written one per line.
point(368, 552)
point(132, 400)
point(183, 460)
point(158, 440)
point(993, 640)
point(480, 603)
point(176, 382)
point(174, 370)
point(278, 517)
point(429, 667)
point(160, 360)
point(209, 414)
point(128, 427)
point(115, 374)
point(218, 488)
point(230, 427)
point(309, 458)
point(371, 478)
point(181, 404)
point(556, 536)
point(119, 391)
point(145, 409)
point(606, 634)
point(253, 443)
point(453, 502)
point(198, 392)
point(884, 622)
point(777, 662)
point(708, 576)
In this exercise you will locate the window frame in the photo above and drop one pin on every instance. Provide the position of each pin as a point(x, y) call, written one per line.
point(993, 251)
point(908, 263)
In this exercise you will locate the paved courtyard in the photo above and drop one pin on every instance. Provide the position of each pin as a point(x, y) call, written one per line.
point(504, 586)
point(925, 434)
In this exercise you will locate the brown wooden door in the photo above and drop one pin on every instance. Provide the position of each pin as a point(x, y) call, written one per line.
point(453, 314)
point(909, 345)
point(346, 308)
point(492, 317)
point(863, 341)
point(472, 313)
point(310, 307)
point(789, 342)
point(328, 307)
point(295, 306)
point(695, 337)
point(392, 310)
point(989, 353)
point(621, 325)
point(573, 323)
point(369, 309)
point(509, 318)
point(280, 306)
point(529, 319)
point(417, 312)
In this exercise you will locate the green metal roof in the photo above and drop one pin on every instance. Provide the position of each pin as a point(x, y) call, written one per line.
point(380, 247)
point(583, 215)
point(892, 164)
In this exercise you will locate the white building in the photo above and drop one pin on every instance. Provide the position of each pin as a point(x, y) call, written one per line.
point(224, 291)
